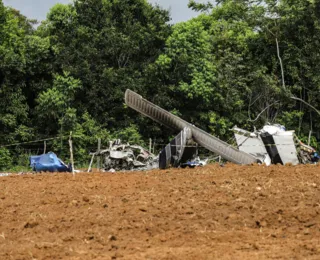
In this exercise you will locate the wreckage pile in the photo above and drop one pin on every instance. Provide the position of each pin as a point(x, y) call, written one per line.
point(120, 157)
point(270, 145)
point(273, 144)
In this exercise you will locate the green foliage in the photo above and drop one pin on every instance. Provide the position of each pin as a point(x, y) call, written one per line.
point(13, 105)
point(290, 119)
point(22, 160)
point(218, 125)
point(187, 59)
point(107, 45)
point(220, 69)
point(130, 134)
point(55, 105)
point(200, 6)
point(5, 159)
point(85, 134)
point(313, 141)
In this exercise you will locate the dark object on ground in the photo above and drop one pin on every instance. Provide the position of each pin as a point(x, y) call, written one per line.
point(315, 157)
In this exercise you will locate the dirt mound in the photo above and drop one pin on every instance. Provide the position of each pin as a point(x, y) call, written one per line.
point(231, 212)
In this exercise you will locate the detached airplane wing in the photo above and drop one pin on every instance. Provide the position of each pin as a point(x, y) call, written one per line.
point(204, 139)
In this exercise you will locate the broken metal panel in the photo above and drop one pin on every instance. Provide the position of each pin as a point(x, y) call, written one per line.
point(176, 151)
point(252, 144)
point(204, 139)
point(273, 139)
point(281, 143)
point(119, 154)
point(286, 147)
point(139, 164)
point(271, 147)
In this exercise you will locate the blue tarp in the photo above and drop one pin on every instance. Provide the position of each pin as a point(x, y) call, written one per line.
point(48, 163)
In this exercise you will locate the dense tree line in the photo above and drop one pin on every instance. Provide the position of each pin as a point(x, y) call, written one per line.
point(244, 63)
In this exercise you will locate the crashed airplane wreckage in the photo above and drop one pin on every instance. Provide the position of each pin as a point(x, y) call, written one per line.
point(272, 144)
point(126, 157)
point(181, 151)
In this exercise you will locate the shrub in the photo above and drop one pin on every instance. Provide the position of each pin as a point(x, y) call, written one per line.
point(5, 159)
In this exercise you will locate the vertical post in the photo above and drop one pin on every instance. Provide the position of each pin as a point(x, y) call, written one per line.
point(310, 132)
point(154, 143)
point(44, 147)
point(71, 153)
point(90, 165)
point(98, 152)
point(309, 138)
point(150, 145)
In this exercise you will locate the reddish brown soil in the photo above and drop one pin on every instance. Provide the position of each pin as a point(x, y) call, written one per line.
point(231, 212)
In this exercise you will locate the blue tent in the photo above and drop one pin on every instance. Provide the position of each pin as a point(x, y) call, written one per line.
point(48, 163)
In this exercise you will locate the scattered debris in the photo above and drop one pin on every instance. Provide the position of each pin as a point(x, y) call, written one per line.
point(273, 144)
point(195, 163)
point(125, 157)
point(48, 163)
point(201, 137)
point(179, 151)
point(251, 143)
point(306, 153)
point(121, 157)
point(5, 174)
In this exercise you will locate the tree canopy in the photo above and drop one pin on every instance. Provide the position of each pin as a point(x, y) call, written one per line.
point(242, 63)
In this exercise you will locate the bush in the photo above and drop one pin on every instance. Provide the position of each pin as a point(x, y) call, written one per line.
point(5, 159)
point(130, 134)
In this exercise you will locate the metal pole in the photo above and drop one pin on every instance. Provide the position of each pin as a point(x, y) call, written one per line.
point(309, 138)
point(90, 165)
point(71, 153)
point(154, 143)
point(98, 152)
point(150, 145)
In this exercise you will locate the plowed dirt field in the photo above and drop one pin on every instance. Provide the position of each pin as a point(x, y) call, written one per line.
point(231, 212)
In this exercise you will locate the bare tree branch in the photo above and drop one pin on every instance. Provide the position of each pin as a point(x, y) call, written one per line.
point(281, 65)
point(306, 103)
point(263, 111)
point(279, 57)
